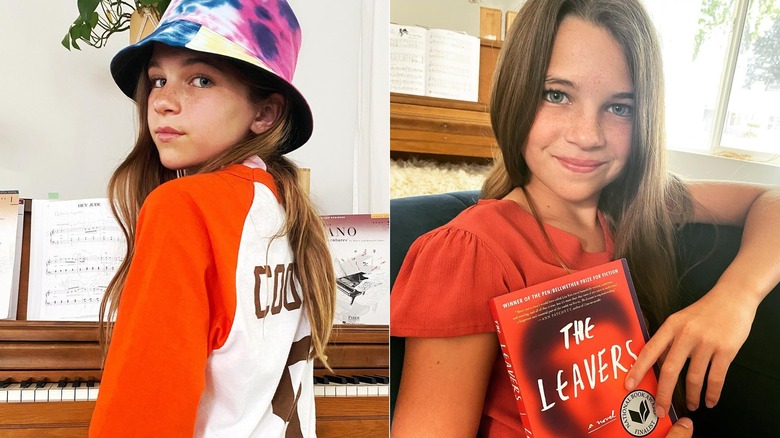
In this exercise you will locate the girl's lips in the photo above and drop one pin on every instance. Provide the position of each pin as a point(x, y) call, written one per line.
point(579, 166)
point(167, 133)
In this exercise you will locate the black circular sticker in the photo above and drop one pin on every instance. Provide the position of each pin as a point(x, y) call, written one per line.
point(637, 413)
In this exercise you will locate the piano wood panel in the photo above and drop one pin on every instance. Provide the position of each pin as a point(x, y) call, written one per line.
point(367, 418)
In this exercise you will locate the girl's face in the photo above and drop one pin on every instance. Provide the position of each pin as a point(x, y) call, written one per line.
point(581, 136)
point(197, 110)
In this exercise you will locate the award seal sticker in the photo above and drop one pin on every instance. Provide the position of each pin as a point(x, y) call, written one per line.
point(637, 413)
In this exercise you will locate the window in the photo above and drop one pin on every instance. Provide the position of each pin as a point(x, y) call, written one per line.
point(722, 70)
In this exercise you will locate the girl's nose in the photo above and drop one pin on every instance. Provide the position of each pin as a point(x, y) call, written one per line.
point(165, 99)
point(585, 130)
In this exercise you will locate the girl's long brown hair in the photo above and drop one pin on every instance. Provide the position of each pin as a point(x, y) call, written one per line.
point(141, 172)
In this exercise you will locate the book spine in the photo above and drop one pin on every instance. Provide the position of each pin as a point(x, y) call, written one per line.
point(510, 367)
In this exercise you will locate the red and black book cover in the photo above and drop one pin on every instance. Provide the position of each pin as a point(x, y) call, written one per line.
point(568, 344)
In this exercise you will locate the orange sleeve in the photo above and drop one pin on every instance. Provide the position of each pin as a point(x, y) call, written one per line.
point(155, 369)
point(444, 285)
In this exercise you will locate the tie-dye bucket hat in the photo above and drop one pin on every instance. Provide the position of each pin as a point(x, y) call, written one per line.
point(263, 34)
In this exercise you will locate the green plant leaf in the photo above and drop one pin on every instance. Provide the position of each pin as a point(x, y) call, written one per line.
point(75, 31)
point(75, 46)
point(86, 31)
point(86, 8)
point(66, 41)
point(93, 20)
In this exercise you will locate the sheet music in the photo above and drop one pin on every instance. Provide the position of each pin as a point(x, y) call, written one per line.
point(453, 65)
point(76, 247)
point(10, 251)
point(360, 248)
point(407, 59)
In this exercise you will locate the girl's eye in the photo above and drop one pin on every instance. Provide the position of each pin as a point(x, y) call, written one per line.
point(202, 82)
point(554, 96)
point(621, 110)
point(158, 82)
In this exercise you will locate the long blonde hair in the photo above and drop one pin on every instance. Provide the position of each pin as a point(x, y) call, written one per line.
point(141, 172)
point(644, 204)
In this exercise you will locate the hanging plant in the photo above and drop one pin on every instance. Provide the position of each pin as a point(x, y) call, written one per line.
point(99, 19)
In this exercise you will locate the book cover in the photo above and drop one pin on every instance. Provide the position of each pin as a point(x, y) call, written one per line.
point(10, 251)
point(434, 62)
point(76, 247)
point(568, 344)
point(360, 248)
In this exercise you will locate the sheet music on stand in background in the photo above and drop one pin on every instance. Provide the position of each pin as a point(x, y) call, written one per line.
point(360, 247)
point(75, 249)
point(434, 62)
point(11, 227)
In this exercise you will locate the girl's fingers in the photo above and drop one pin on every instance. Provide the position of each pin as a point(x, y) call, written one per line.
point(720, 365)
point(647, 357)
point(694, 380)
point(667, 379)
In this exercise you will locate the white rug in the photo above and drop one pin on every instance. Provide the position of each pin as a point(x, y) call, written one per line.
point(423, 177)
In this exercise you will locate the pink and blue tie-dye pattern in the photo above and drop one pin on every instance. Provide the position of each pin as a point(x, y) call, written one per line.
point(266, 29)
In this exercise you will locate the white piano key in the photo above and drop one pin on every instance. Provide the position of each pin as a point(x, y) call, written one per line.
point(28, 394)
point(14, 393)
point(383, 389)
point(69, 392)
point(341, 390)
point(4, 395)
point(42, 393)
point(362, 390)
point(93, 391)
point(319, 390)
point(82, 392)
point(55, 393)
point(352, 390)
point(330, 390)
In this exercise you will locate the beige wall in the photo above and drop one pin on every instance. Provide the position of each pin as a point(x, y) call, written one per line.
point(459, 15)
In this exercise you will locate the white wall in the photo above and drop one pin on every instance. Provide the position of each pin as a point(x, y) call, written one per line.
point(64, 125)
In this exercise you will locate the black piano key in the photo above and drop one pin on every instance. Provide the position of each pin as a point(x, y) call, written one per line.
point(77, 382)
point(352, 380)
point(91, 383)
point(383, 379)
point(26, 383)
point(367, 379)
point(318, 380)
point(41, 382)
point(336, 379)
point(7, 382)
point(62, 383)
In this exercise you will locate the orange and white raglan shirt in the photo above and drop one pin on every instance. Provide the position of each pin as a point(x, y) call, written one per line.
point(211, 337)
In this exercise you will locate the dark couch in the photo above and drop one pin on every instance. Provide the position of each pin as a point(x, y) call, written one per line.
point(750, 401)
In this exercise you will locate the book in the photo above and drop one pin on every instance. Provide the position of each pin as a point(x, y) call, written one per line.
point(11, 228)
point(568, 344)
point(75, 248)
point(434, 62)
point(360, 248)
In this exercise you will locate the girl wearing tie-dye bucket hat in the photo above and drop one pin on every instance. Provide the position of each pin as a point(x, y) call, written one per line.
point(227, 291)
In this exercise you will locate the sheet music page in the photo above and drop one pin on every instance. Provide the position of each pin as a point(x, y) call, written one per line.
point(75, 248)
point(9, 224)
point(407, 59)
point(360, 248)
point(453, 65)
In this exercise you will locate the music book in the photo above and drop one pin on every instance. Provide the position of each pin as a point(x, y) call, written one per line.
point(434, 62)
point(75, 249)
point(360, 248)
point(568, 344)
point(11, 228)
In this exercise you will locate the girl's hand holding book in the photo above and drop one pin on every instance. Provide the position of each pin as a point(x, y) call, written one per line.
point(710, 332)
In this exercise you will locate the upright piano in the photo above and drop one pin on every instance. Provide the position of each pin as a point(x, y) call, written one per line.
point(39, 359)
